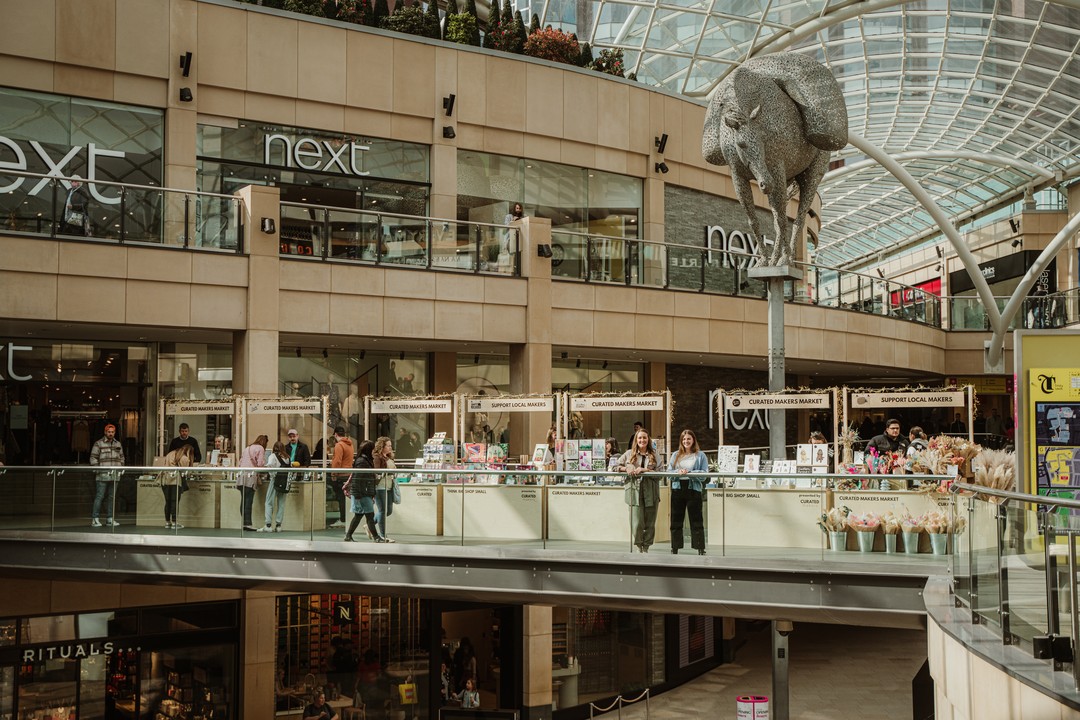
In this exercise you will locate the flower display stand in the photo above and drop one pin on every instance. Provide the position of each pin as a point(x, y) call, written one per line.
point(866, 540)
point(838, 541)
point(939, 543)
point(890, 543)
point(911, 543)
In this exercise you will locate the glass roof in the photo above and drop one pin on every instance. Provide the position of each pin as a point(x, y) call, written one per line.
point(980, 98)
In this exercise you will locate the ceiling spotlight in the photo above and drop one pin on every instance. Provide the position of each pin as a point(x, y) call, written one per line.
point(661, 143)
point(661, 167)
point(297, 352)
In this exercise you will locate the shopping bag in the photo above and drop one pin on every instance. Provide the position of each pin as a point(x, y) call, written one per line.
point(407, 693)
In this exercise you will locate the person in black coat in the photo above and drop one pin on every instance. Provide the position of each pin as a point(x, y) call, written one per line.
point(185, 438)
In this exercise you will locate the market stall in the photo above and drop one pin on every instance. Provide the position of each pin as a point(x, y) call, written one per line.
point(761, 402)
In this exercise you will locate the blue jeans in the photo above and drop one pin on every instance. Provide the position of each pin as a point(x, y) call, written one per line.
point(384, 507)
point(246, 502)
point(103, 494)
point(271, 494)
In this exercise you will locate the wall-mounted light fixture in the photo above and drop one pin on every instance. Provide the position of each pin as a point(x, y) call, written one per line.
point(267, 225)
point(448, 104)
point(1014, 223)
point(881, 273)
point(661, 167)
point(1017, 242)
point(448, 132)
point(940, 251)
point(544, 251)
point(185, 64)
point(941, 268)
point(661, 143)
point(185, 95)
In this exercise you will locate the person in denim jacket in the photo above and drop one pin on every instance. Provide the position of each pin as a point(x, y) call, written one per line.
point(687, 492)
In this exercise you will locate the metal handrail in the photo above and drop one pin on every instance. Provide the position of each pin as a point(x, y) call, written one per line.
point(113, 183)
point(1010, 495)
point(423, 218)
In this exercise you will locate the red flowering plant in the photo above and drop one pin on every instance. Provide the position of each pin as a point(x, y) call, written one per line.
point(554, 45)
point(610, 62)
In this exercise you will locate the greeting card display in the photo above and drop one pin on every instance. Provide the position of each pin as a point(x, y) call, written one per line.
point(821, 455)
point(497, 453)
point(571, 462)
point(727, 458)
point(804, 454)
point(474, 452)
point(752, 463)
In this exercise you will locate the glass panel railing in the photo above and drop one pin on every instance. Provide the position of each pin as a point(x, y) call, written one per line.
point(608, 260)
point(47, 206)
point(405, 240)
point(982, 538)
point(647, 263)
point(569, 253)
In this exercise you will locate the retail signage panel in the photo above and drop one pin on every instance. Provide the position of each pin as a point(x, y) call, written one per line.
point(541, 404)
point(624, 402)
point(983, 384)
point(199, 407)
point(1054, 417)
point(279, 407)
point(779, 401)
point(946, 398)
point(412, 406)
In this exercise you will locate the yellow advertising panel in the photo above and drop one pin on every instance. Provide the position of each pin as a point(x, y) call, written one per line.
point(1053, 426)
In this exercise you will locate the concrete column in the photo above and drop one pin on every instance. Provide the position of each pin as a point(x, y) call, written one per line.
point(255, 350)
point(257, 652)
point(530, 363)
point(536, 665)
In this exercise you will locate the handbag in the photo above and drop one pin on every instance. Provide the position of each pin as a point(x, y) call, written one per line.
point(281, 482)
point(407, 693)
point(396, 490)
point(75, 217)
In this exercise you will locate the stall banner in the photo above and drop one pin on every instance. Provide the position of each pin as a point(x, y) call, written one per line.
point(442, 405)
point(497, 404)
point(200, 407)
point(1054, 426)
point(617, 402)
point(281, 407)
point(944, 398)
point(776, 401)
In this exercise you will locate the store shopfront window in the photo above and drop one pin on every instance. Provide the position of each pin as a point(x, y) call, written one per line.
point(320, 169)
point(75, 137)
point(357, 649)
point(57, 396)
point(582, 376)
point(196, 371)
point(346, 377)
point(116, 664)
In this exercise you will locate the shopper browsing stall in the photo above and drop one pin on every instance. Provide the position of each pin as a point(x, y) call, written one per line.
point(686, 492)
point(254, 456)
point(361, 487)
point(343, 458)
point(385, 493)
point(278, 488)
point(173, 483)
point(642, 493)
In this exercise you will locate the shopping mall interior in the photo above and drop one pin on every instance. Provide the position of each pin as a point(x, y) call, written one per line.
point(489, 234)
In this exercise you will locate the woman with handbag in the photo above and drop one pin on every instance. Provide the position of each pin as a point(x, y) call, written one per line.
point(385, 496)
point(278, 488)
point(173, 483)
point(76, 215)
point(361, 488)
point(254, 456)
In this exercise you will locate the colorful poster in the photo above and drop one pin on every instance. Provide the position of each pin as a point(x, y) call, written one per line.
point(727, 458)
point(497, 452)
point(751, 463)
point(475, 452)
point(1054, 432)
point(804, 454)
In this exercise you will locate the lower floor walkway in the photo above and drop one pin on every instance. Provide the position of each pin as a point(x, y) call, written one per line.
point(837, 672)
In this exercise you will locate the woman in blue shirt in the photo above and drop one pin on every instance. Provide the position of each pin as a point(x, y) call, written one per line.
point(687, 492)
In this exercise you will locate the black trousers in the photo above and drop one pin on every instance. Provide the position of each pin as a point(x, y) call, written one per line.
point(339, 494)
point(686, 501)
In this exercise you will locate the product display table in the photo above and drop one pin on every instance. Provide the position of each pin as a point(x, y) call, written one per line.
point(765, 517)
point(598, 513)
point(196, 508)
point(419, 512)
point(897, 502)
point(493, 511)
point(298, 506)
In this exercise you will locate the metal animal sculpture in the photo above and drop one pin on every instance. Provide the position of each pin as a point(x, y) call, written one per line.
point(775, 119)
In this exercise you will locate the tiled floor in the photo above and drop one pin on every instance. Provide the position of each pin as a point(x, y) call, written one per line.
point(836, 672)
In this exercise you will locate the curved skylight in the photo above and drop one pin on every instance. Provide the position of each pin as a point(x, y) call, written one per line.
point(980, 97)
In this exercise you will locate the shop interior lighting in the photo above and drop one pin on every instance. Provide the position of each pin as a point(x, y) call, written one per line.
point(661, 143)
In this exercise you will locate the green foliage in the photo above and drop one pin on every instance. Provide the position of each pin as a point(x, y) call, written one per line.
point(304, 7)
point(492, 38)
point(517, 45)
point(534, 24)
point(451, 8)
point(460, 28)
point(632, 76)
point(379, 12)
point(507, 14)
point(409, 20)
point(432, 28)
point(610, 62)
point(554, 45)
point(352, 11)
point(586, 58)
point(470, 9)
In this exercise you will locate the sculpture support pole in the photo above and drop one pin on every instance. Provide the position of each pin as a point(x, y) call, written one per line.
point(775, 276)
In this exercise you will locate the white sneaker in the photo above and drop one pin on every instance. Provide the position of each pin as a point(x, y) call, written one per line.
point(277, 528)
point(95, 523)
point(168, 525)
point(112, 523)
point(265, 528)
point(337, 524)
point(177, 526)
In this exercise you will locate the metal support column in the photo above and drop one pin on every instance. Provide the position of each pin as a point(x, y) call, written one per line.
point(778, 703)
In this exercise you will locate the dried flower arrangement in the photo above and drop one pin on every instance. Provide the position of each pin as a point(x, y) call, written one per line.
point(995, 469)
point(890, 523)
point(835, 520)
point(910, 523)
point(864, 522)
point(940, 522)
